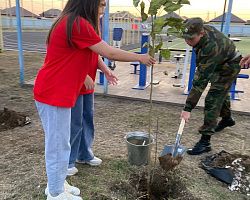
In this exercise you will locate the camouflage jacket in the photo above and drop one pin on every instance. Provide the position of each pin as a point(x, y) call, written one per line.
point(213, 50)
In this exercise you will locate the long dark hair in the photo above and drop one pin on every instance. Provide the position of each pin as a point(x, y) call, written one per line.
point(88, 9)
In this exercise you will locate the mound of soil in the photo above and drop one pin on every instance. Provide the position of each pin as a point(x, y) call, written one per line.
point(235, 165)
point(10, 119)
point(168, 162)
point(163, 186)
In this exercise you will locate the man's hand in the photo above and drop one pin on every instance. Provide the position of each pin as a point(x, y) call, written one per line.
point(185, 115)
point(245, 62)
point(111, 78)
point(89, 83)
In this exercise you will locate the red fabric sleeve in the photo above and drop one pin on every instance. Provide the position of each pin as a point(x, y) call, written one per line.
point(83, 34)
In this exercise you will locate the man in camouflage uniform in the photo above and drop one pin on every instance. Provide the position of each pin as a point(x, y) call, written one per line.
point(217, 62)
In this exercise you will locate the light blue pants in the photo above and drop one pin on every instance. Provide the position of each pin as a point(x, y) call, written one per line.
point(56, 125)
point(82, 129)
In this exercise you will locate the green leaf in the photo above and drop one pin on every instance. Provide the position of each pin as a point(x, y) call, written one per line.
point(158, 46)
point(158, 25)
point(151, 51)
point(174, 22)
point(144, 16)
point(155, 5)
point(145, 45)
point(175, 26)
point(136, 2)
point(184, 2)
point(165, 53)
point(175, 32)
point(171, 7)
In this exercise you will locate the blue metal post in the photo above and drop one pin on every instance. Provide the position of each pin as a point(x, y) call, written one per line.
point(143, 84)
point(228, 17)
point(223, 16)
point(192, 70)
point(19, 40)
point(101, 78)
point(105, 31)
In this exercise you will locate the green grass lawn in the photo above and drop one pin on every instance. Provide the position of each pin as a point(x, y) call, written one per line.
point(243, 46)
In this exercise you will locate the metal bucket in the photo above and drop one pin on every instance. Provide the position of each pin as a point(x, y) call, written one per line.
point(139, 147)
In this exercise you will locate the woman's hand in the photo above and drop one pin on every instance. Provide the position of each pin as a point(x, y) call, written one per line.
point(185, 115)
point(89, 83)
point(111, 78)
point(146, 59)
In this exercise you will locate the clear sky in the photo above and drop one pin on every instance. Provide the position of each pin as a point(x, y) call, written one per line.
point(206, 9)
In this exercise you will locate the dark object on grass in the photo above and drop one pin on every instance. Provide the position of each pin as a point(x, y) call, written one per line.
point(10, 119)
point(216, 167)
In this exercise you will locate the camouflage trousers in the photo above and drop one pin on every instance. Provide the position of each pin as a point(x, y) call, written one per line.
point(217, 101)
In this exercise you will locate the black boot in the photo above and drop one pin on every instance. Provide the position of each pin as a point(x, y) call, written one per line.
point(225, 122)
point(201, 147)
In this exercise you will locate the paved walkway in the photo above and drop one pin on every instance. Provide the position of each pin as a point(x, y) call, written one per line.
point(164, 91)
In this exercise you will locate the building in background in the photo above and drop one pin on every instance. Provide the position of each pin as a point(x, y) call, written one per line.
point(51, 13)
point(238, 26)
point(124, 16)
point(234, 19)
point(12, 12)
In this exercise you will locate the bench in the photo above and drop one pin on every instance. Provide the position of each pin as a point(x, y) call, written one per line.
point(135, 65)
point(233, 90)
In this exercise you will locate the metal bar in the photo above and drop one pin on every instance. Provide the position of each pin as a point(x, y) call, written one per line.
point(223, 17)
point(228, 17)
point(19, 40)
point(192, 70)
point(185, 66)
point(105, 32)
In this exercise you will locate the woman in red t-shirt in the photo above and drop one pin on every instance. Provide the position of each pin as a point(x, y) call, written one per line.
point(82, 116)
point(72, 44)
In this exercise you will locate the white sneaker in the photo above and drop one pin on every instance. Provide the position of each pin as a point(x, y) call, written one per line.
point(64, 196)
point(94, 162)
point(68, 188)
point(72, 171)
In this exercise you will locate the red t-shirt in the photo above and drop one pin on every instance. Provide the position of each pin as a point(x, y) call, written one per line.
point(92, 74)
point(62, 75)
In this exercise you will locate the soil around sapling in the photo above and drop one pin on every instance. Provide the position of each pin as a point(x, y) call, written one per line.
point(163, 186)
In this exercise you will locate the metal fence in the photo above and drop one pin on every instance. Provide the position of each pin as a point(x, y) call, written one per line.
point(130, 35)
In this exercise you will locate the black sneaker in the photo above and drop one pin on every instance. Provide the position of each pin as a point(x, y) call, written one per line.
point(199, 148)
point(225, 122)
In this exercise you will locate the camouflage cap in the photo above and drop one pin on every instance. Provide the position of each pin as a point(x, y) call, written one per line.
point(192, 27)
